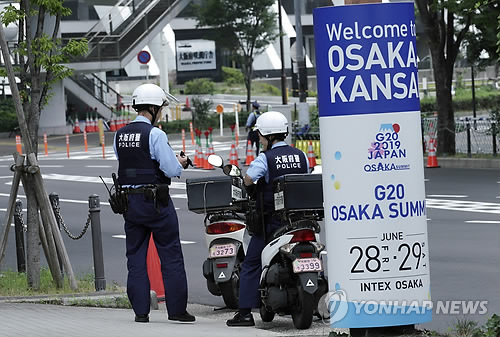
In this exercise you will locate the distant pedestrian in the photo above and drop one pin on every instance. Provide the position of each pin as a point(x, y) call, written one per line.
point(253, 135)
point(146, 164)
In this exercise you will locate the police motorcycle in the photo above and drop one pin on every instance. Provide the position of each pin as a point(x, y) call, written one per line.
point(222, 199)
point(292, 279)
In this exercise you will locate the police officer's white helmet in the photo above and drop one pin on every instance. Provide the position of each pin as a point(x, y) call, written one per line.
point(151, 94)
point(271, 122)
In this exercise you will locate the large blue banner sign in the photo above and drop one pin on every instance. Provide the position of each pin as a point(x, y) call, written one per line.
point(373, 181)
point(366, 59)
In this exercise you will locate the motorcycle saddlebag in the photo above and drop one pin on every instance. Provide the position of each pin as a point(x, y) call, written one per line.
point(298, 192)
point(210, 194)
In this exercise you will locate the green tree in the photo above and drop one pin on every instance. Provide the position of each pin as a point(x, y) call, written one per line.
point(446, 24)
point(244, 27)
point(481, 39)
point(41, 57)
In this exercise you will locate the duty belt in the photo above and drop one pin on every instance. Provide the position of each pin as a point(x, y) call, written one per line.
point(140, 190)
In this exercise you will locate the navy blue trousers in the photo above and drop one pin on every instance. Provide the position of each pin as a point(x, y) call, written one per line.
point(141, 220)
point(251, 270)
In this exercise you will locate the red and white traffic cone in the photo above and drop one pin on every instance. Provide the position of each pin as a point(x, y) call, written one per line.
point(431, 157)
point(311, 157)
point(76, 129)
point(250, 151)
point(233, 156)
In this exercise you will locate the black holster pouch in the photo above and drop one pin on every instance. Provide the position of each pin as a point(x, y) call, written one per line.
point(254, 219)
point(118, 201)
point(162, 194)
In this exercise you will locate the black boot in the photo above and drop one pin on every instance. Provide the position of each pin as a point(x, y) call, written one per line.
point(241, 320)
point(142, 318)
point(185, 317)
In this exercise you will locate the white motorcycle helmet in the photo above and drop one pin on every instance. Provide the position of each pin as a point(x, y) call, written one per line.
point(272, 122)
point(151, 94)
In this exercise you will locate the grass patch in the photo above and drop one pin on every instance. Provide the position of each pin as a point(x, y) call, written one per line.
point(13, 283)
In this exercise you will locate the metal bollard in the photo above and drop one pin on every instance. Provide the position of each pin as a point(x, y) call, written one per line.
point(19, 230)
point(54, 202)
point(469, 151)
point(95, 220)
point(494, 133)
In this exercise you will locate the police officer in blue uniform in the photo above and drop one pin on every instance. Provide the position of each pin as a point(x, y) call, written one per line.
point(146, 164)
point(253, 135)
point(277, 159)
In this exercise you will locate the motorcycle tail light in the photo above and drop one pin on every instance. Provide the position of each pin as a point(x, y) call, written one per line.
point(304, 235)
point(221, 265)
point(224, 227)
point(306, 255)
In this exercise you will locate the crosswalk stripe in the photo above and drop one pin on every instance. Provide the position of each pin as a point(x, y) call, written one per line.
point(483, 221)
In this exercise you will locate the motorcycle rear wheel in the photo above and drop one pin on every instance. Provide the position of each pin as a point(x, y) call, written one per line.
point(302, 312)
point(231, 291)
point(266, 315)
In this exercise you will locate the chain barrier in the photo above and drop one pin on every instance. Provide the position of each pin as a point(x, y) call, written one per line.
point(18, 213)
point(480, 134)
point(57, 213)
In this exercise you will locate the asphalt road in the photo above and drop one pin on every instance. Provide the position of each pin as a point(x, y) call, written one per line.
point(463, 212)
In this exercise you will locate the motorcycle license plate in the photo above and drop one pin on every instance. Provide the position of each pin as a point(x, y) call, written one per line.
point(307, 265)
point(223, 250)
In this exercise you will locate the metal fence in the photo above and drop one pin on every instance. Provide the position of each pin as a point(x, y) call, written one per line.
point(472, 135)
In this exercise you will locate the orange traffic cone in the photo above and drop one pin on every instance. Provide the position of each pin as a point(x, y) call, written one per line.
point(87, 125)
point(154, 271)
point(206, 164)
point(76, 129)
point(112, 124)
point(200, 158)
point(431, 157)
point(311, 157)
point(250, 158)
point(233, 156)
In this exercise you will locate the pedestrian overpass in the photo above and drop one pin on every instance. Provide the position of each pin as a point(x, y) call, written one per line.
point(113, 41)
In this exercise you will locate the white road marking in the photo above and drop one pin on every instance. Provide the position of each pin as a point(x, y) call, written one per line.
point(88, 179)
point(463, 206)
point(51, 166)
point(99, 166)
point(446, 196)
point(483, 221)
point(123, 236)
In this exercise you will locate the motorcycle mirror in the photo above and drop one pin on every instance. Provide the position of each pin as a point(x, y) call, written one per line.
point(215, 160)
point(232, 170)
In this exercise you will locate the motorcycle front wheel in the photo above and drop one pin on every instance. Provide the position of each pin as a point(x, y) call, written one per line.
point(302, 312)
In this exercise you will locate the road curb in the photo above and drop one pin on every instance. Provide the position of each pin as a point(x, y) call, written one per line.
point(470, 163)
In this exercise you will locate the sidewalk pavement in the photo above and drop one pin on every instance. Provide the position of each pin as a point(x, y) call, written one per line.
point(33, 319)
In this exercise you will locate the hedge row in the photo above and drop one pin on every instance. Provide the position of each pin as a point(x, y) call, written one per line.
point(487, 103)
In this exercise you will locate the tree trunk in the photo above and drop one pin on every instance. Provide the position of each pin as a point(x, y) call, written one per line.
point(33, 236)
point(444, 100)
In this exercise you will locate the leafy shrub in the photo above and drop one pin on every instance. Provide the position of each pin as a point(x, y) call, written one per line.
point(463, 102)
point(492, 326)
point(8, 117)
point(232, 76)
point(201, 108)
point(200, 86)
point(265, 88)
